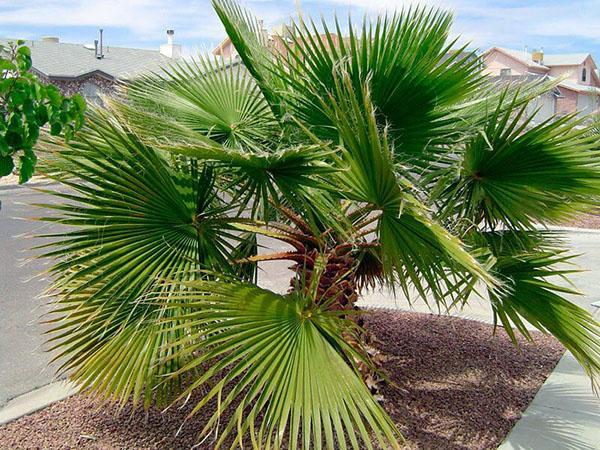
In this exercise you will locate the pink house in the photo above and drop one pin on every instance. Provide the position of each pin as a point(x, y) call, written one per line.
point(578, 90)
point(278, 41)
point(275, 41)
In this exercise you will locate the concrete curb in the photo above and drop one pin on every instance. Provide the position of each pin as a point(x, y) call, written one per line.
point(29, 184)
point(35, 400)
point(575, 230)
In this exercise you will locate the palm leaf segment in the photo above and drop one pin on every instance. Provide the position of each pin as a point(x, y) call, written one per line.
point(133, 222)
point(280, 363)
point(515, 174)
point(529, 264)
point(414, 76)
point(201, 97)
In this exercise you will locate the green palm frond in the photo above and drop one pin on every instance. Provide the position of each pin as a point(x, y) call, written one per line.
point(281, 364)
point(133, 221)
point(113, 346)
point(414, 249)
point(529, 266)
point(412, 70)
point(256, 177)
point(468, 117)
point(212, 97)
point(251, 42)
point(516, 173)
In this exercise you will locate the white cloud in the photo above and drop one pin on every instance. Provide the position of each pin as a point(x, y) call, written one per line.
point(144, 18)
point(484, 23)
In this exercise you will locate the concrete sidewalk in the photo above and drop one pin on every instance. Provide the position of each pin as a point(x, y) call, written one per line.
point(565, 413)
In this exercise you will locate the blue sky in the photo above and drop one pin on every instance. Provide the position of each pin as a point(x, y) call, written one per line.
point(557, 25)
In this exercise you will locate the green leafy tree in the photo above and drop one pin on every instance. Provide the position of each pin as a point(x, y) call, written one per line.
point(26, 105)
point(384, 158)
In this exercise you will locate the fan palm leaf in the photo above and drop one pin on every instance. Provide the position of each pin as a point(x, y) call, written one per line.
point(211, 97)
point(529, 265)
point(516, 174)
point(283, 365)
point(251, 42)
point(412, 71)
point(132, 222)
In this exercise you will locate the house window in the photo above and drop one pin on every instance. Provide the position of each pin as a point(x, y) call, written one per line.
point(505, 72)
point(583, 74)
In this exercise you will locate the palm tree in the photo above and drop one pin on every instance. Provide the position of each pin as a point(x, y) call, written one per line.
point(382, 159)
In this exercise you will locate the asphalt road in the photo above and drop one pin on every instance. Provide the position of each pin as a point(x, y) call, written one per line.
point(23, 363)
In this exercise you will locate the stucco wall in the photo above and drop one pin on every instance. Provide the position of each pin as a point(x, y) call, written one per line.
point(228, 51)
point(570, 72)
point(575, 72)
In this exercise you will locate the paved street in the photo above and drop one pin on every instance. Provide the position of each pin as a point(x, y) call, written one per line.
point(22, 361)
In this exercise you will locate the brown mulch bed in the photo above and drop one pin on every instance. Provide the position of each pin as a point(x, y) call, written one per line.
point(455, 386)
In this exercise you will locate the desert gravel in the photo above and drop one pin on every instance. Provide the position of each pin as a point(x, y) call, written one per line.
point(455, 385)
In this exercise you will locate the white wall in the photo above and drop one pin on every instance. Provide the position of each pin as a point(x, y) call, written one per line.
point(587, 103)
point(547, 107)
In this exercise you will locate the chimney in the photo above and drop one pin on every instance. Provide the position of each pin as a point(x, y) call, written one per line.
point(538, 56)
point(170, 49)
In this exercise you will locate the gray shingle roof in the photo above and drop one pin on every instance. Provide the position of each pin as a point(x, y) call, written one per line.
point(62, 60)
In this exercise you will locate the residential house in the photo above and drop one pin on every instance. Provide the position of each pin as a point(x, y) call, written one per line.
point(278, 40)
point(578, 90)
point(97, 68)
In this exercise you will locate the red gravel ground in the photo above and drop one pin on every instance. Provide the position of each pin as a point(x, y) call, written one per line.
point(455, 386)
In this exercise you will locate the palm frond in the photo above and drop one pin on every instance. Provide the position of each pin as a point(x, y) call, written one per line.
point(281, 364)
point(516, 173)
point(251, 42)
point(411, 69)
point(255, 178)
point(415, 250)
point(132, 221)
point(530, 266)
point(211, 97)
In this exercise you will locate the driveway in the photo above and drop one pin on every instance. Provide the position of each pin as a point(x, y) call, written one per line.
point(23, 363)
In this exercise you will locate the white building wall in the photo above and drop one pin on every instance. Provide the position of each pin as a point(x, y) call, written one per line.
point(587, 103)
point(546, 106)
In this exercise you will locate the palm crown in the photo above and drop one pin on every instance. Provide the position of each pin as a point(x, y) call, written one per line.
point(383, 158)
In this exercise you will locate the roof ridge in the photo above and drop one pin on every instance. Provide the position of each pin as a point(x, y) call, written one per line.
point(78, 44)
